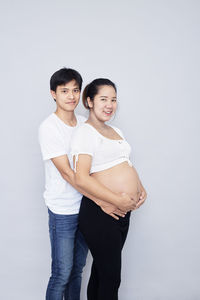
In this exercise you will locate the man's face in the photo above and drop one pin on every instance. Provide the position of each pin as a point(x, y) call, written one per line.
point(67, 96)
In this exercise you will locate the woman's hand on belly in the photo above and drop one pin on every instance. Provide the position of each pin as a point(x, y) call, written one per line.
point(142, 196)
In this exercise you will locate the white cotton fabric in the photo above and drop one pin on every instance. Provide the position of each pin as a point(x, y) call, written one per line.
point(105, 152)
point(55, 138)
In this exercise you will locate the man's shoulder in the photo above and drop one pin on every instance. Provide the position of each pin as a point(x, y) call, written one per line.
point(50, 121)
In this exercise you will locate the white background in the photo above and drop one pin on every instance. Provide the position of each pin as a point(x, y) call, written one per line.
point(150, 49)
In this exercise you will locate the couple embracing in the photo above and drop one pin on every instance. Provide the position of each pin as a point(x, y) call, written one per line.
point(91, 188)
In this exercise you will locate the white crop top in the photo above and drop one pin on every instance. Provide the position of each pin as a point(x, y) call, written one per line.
point(105, 152)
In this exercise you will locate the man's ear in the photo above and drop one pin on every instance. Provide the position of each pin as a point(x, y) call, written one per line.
point(53, 94)
point(90, 102)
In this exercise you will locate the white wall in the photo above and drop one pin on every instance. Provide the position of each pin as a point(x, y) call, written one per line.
point(151, 50)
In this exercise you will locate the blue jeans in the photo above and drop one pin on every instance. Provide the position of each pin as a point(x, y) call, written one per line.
point(68, 252)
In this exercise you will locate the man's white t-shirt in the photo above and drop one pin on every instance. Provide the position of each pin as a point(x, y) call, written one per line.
point(54, 138)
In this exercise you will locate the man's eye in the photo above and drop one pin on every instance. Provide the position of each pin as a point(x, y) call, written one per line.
point(114, 100)
point(103, 99)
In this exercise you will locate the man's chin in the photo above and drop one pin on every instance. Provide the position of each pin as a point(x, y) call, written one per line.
point(70, 108)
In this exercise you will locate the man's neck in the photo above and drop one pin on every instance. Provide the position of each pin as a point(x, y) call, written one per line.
point(68, 117)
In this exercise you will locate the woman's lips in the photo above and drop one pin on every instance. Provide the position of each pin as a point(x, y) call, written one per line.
point(108, 112)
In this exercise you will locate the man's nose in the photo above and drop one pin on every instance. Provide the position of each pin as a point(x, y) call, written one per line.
point(71, 95)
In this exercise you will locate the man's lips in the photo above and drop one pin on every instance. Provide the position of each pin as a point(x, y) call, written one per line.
point(70, 102)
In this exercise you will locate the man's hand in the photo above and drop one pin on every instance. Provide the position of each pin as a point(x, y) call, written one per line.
point(112, 211)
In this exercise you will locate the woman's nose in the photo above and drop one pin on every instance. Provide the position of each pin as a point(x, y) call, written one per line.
point(109, 104)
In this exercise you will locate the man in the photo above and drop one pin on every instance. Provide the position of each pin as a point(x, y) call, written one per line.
point(68, 248)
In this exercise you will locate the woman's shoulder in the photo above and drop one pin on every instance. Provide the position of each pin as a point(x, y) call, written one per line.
point(84, 140)
point(84, 131)
point(85, 128)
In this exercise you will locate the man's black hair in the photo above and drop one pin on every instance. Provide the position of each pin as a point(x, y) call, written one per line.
point(64, 76)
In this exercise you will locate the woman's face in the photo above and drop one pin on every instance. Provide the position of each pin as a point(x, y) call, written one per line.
point(104, 104)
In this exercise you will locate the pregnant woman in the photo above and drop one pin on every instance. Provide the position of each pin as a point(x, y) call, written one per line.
point(103, 170)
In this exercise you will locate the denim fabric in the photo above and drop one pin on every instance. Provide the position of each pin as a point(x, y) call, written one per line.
point(68, 252)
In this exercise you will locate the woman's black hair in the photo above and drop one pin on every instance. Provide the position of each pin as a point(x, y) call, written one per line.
point(91, 90)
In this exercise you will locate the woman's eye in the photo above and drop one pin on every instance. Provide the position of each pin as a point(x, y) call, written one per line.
point(76, 91)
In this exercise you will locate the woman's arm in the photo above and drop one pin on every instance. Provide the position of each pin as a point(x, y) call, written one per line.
point(90, 185)
point(63, 166)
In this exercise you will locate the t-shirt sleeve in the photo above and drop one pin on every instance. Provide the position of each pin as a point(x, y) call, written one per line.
point(51, 142)
point(83, 142)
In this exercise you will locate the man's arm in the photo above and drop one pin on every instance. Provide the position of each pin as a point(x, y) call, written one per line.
point(63, 166)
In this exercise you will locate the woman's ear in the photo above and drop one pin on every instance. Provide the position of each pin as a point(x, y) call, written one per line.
point(90, 102)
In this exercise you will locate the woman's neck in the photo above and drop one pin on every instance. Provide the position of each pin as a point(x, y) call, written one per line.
point(95, 122)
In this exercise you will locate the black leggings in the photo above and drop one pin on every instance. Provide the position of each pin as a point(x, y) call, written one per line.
point(105, 237)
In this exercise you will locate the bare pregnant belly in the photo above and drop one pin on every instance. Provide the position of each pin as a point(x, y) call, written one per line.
point(120, 179)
